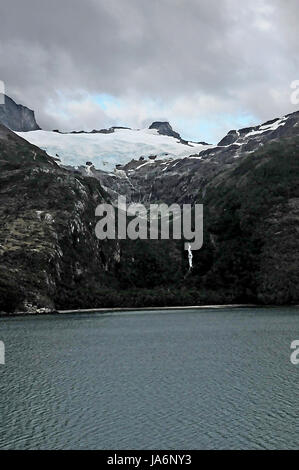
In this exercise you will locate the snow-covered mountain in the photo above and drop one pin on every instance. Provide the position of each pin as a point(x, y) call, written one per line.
point(180, 180)
point(248, 183)
point(116, 146)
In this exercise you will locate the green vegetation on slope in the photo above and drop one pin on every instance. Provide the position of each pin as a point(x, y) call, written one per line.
point(252, 226)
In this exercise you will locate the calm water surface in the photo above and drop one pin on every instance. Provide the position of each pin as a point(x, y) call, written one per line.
point(210, 379)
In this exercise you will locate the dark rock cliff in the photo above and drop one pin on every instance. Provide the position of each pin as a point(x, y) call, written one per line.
point(16, 117)
point(164, 128)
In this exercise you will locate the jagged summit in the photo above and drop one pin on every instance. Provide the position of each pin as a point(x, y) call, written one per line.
point(164, 128)
point(17, 117)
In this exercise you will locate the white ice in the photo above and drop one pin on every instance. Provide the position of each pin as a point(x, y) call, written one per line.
point(107, 150)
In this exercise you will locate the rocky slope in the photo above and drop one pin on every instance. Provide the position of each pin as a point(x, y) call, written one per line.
point(16, 117)
point(47, 227)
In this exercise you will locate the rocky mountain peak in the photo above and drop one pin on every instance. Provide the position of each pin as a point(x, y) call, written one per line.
point(17, 117)
point(164, 128)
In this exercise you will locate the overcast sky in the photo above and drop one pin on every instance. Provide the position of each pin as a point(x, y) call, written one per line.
point(207, 66)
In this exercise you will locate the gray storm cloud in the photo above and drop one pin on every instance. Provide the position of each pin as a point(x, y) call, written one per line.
point(194, 57)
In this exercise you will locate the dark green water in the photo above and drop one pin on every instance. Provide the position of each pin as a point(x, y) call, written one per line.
point(211, 379)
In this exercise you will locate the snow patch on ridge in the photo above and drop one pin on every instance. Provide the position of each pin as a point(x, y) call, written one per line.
point(267, 128)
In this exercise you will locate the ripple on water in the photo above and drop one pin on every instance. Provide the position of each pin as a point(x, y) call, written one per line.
point(179, 380)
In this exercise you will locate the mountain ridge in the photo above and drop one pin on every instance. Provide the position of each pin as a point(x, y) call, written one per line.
point(51, 259)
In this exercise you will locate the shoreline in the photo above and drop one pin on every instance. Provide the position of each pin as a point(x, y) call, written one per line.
point(148, 309)
point(141, 309)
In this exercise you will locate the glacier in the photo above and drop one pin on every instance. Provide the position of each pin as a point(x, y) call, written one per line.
point(106, 151)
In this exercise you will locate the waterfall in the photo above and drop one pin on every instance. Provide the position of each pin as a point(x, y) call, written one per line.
point(190, 257)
